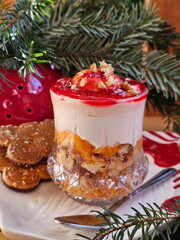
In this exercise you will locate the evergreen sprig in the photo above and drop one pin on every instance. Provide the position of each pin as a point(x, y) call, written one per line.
point(147, 223)
point(4, 6)
point(18, 30)
point(72, 34)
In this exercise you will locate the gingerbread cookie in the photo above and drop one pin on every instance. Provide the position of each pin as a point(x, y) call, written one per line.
point(22, 179)
point(41, 169)
point(47, 127)
point(7, 134)
point(44, 144)
point(24, 154)
point(37, 130)
point(30, 129)
point(3, 151)
point(3, 159)
point(28, 143)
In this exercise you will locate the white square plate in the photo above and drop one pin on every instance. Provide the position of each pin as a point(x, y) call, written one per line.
point(30, 216)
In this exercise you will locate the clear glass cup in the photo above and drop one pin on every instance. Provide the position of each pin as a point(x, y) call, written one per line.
point(98, 153)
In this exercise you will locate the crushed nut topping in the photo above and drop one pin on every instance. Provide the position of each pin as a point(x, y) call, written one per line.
point(83, 82)
point(74, 87)
point(101, 85)
point(106, 68)
point(110, 81)
point(132, 92)
point(102, 64)
point(14, 184)
point(102, 77)
point(118, 91)
point(23, 183)
point(93, 67)
point(126, 86)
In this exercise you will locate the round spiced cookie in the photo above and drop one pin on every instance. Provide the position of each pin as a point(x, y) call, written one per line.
point(20, 179)
point(3, 151)
point(29, 129)
point(4, 162)
point(41, 169)
point(47, 126)
point(45, 144)
point(24, 154)
point(37, 129)
point(7, 134)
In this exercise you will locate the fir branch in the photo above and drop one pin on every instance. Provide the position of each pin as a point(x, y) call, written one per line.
point(25, 17)
point(139, 223)
point(4, 80)
point(166, 38)
point(4, 6)
point(64, 20)
point(149, 220)
point(169, 108)
point(18, 30)
point(105, 22)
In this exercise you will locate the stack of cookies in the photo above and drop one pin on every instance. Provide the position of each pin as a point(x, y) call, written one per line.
point(23, 153)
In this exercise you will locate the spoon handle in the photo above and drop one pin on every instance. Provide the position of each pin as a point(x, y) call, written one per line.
point(165, 173)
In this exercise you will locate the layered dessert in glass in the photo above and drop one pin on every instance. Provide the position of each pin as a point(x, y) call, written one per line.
point(98, 154)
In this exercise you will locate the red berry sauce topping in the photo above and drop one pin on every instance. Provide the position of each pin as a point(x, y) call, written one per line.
point(100, 86)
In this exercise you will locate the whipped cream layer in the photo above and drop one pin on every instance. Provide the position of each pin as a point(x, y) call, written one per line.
point(101, 125)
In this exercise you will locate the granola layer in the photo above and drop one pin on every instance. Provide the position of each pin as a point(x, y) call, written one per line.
point(88, 172)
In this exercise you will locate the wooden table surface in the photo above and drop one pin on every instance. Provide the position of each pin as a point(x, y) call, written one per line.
point(2, 237)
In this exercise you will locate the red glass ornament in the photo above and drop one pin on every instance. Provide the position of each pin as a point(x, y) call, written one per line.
point(28, 99)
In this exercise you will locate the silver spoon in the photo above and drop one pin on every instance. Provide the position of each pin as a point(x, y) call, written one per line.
point(90, 221)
